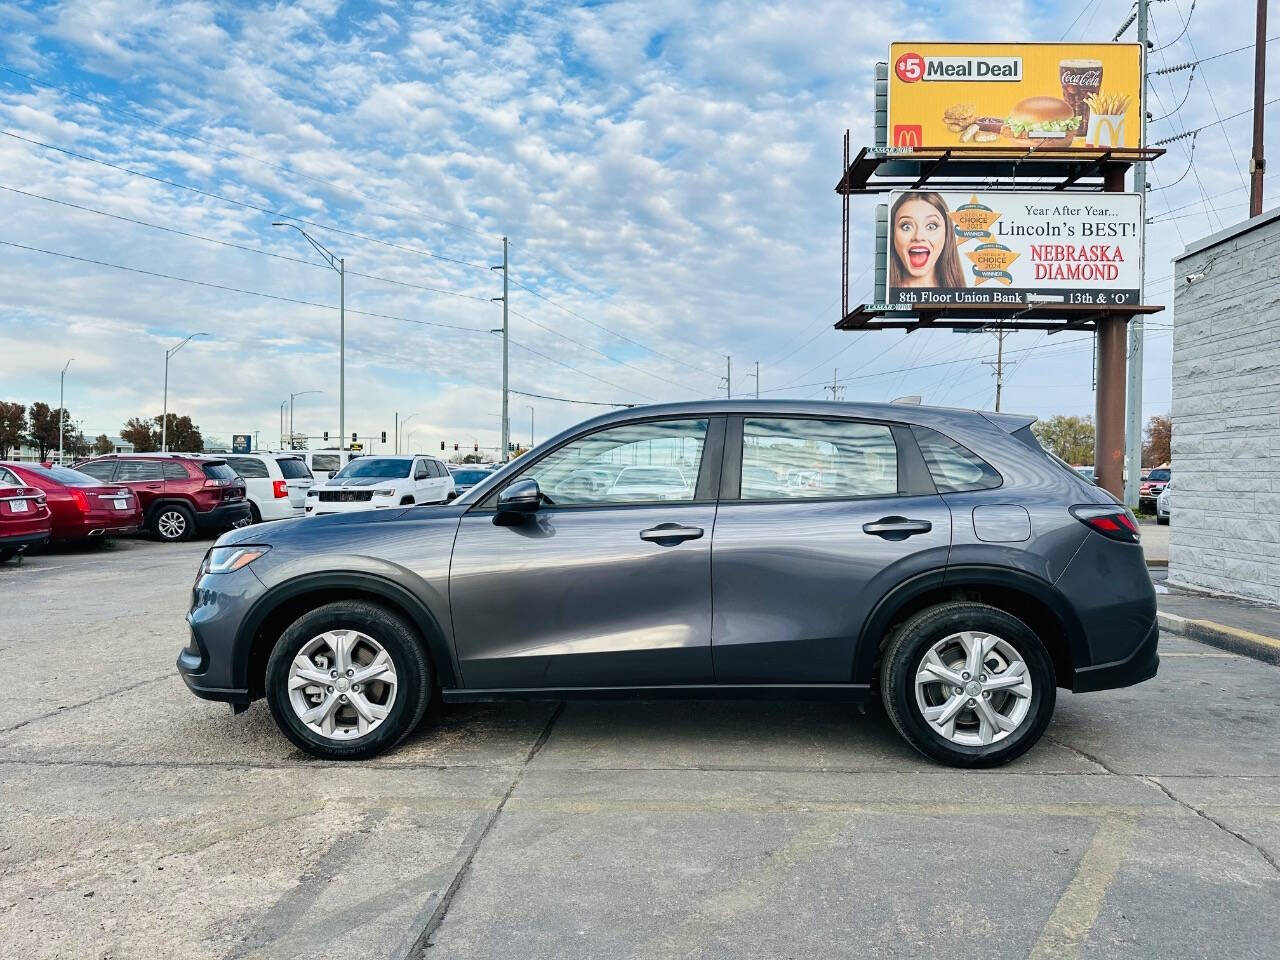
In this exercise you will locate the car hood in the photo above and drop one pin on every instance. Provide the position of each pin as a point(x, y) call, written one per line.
point(313, 532)
point(340, 482)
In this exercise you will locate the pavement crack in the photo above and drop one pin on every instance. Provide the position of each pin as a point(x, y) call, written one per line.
point(1262, 852)
point(1083, 753)
point(84, 703)
point(422, 943)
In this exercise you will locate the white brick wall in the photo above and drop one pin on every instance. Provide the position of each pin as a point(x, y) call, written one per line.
point(1225, 531)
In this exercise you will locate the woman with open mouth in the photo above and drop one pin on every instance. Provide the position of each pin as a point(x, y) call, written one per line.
point(924, 243)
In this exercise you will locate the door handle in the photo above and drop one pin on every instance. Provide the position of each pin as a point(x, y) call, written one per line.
point(896, 528)
point(668, 534)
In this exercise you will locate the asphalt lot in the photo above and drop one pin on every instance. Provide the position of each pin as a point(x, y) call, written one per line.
point(142, 822)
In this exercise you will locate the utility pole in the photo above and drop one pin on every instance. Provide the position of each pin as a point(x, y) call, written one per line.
point(757, 379)
point(397, 431)
point(1258, 166)
point(837, 391)
point(282, 406)
point(998, 365)
point(728, 378)
point(62, 408)
point(1133, 393)
point(506, 328)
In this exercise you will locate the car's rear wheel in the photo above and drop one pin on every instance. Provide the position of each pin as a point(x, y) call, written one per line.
point(348, 680)
point(173, 522)
point(255, 515)
point(968, 684)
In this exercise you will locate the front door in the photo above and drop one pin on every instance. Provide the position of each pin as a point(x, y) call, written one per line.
point(609, 583)
point(818, 519)
point(145, 478)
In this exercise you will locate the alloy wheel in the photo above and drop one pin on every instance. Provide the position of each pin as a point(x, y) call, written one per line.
point(973, 688)
point(342, 684)
point(171, 524)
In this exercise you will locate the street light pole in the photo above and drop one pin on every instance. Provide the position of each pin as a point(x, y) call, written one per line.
point(282, 406)
point(164, 413)
point(506, 328)
point(401, 427)
point(301, 393)
point(62, 409)
point(530, 406)
point(338, 265)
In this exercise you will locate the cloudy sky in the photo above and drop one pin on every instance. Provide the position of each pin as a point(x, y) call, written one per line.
point(664, 171)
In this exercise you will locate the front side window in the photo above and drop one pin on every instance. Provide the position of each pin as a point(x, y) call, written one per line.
point(824, 459)
point(635, 463)
point(954, 467)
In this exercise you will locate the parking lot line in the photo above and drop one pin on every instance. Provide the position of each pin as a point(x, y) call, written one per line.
point(1077, 910)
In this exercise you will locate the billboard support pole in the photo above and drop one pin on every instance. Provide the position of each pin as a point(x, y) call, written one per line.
point(844, 237)
point(1109, 401)
point(1133, 416)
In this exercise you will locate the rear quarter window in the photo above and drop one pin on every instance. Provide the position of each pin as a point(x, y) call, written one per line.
point(218, 471)
point(249, 468)
point(954, 467)
point(293, 468)
point(175, 471)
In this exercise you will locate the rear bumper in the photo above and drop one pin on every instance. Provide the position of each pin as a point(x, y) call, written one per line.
point(1140, 665)
point(225, 516)
point(26, 539)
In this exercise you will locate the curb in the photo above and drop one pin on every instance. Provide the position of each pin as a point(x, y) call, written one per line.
point(1164, 564)
point(1233, 639)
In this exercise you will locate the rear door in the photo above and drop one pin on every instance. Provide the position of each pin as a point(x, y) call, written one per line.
point(818, 519)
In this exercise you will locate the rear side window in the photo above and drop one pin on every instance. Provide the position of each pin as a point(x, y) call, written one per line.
point(803, 459)
point(218, 471)
point(99, 469)
point(175, 471)
point(292, 468)
point(325, 461)
point(249, 468)
point(11, 479)
point(135, 471)
point(955, 468)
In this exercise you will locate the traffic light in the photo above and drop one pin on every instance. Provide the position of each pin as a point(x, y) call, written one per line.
point(455, 448)
point(354, 438)
point(475, 448)
point(441, 444)
point(384, 436)
point(326, 436)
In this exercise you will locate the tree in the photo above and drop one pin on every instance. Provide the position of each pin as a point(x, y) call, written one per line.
point(1156, 448)
point(182, 436)
point(1070, 438)
point(139, 432)
point(13, 427)
point(102, 444)
point(74, 445)
point(44, 428)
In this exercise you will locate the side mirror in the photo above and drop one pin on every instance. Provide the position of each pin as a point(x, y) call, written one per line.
point(520, 497)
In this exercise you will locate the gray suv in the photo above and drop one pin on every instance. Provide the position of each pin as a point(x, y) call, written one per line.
point(938, 558)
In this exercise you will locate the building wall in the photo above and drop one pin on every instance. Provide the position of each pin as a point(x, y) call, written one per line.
point(1225, 527)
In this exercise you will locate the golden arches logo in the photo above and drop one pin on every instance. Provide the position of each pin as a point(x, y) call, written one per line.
point(1108, 132)
point(908, 135)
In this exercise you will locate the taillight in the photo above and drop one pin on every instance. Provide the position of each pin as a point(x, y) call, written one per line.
point(81, 499)
point(1113, 522)
point(280, 488)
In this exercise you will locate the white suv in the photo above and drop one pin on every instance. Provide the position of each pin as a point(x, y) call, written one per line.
point(275, 483)
point(374, 482)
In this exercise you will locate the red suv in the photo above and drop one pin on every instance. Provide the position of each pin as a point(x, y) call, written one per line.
point(179, 492)
point(80, 505)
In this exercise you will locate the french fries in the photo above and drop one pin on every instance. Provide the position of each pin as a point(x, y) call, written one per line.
point(1108, 104)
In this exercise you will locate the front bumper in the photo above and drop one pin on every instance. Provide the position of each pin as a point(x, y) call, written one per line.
point(1140, 665)
point(224, 516)
point(207, 664)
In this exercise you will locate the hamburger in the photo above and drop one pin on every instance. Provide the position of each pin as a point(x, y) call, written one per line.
point(1037, 119)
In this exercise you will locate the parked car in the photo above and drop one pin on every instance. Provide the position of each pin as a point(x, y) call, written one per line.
point(24, 517)
point(80, 506)
point(1087, 473)
point(1163, 503)
point(275, 483)
point(649, 483)
point(957, 570)
point(377, 482)
point(323, 464)
point(466, 476)
point(1151, 487)
point(179, 493)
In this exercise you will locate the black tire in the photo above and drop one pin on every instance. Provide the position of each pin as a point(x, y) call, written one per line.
point(172, 523)
point(408, 654)
point(255, 515)
point(905, 652)
point(7, 553)
point(406, 501)
point(1162, 521)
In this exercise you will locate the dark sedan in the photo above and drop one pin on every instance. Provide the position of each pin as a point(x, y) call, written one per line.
point(938, 559)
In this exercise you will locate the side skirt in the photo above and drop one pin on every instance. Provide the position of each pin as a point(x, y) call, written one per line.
point(848, 692)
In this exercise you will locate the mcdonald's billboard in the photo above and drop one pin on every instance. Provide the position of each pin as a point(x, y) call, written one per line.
point(1005, 247)
point(1014, 94)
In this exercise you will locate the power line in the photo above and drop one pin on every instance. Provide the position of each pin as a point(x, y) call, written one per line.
point(585, 403)
point(608, 383)
point(242, 203)
point(247, 156)
point(231, 289)
point(237, 246)
point(1190, 133)
point(1194, 63)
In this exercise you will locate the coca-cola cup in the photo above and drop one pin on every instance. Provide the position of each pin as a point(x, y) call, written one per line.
point(1080, 79)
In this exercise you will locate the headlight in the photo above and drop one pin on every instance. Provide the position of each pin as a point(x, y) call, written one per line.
point(384, 493)
point(227, 559)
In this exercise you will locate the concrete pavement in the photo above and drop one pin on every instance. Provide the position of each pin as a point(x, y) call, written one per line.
point(142, 822)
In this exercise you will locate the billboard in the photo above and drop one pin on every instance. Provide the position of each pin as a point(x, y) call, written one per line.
point(241, 442)
point(1002, 247)
point(1019, 95)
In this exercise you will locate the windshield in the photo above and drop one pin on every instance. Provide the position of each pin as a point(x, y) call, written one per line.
point(64, 475)
point(1158, 475)
point(387, 467)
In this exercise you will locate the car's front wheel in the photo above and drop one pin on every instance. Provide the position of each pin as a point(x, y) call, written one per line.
point(968, 684)
point(348, 680)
